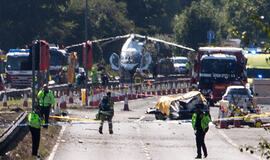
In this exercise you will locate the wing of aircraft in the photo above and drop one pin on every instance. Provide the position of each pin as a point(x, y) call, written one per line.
point(112, 39)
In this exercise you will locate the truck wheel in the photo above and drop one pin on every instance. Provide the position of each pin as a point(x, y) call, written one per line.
point(160, 116)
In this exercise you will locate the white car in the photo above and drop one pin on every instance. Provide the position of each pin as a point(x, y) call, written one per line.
point(180, 64)
point(238, 95)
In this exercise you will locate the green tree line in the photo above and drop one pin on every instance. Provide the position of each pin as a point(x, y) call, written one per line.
point(62, 21)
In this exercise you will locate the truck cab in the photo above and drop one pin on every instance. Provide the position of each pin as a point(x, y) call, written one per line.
point(17, 73)
point(216, 68)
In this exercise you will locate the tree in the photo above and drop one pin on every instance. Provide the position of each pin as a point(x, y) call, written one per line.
point(23, 21)
point(192, 25)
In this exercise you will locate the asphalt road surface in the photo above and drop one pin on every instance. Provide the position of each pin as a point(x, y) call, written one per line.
point(138, 136)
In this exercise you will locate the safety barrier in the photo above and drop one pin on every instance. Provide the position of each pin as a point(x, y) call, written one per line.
point(119, 92)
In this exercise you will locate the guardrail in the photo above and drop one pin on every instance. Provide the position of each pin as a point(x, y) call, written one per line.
point(64, 89)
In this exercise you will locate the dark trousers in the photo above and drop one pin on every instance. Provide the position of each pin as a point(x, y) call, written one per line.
point(200, 143)
point(45, 112)
point(35, 140)
point(107, 118)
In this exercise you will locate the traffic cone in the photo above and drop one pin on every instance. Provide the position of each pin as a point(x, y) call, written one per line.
point(179, 87)
point(153, 89)
point(222, 123)
point(184, 87)
point(63, 103)
point(91, 100)
point(5, 100)
point(236, 121)
point(169, 88)
point(163, 88)
point(70, 96)
point(173, 88)
point(126, 104)
point(95, 99)
point(25, 103)
point(148, 90)
point(158, 89)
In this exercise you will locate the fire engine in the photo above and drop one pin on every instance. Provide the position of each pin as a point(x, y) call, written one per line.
point(19, 64)
point(216, 68)
point(17, 73)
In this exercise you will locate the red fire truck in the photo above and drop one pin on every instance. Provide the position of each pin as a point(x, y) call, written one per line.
point(19, 64)
point(216, 68)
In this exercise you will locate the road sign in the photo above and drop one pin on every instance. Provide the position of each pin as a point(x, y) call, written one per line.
point(210, 35)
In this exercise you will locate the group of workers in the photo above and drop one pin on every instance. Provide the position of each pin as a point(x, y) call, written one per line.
point(40, 114)
point(39, 117)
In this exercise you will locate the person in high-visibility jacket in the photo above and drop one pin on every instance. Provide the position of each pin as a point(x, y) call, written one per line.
point(106, 112)
point(200, 122)
point(35, 122)
point(94, 77)
point(46, 101)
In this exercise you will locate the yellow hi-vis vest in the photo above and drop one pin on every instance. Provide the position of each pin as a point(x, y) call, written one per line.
point(46, 100)
point(34, 120)
point(204, 122)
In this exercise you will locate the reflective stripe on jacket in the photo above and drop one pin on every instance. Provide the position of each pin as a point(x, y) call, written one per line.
point(46, 100)
point(34, 120)
point(204, 122)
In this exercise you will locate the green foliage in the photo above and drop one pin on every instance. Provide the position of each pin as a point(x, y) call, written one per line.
point(192, 24)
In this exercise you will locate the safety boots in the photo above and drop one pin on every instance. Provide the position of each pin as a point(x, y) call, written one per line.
point(100, 130)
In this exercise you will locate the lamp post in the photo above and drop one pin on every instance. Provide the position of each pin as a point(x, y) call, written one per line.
point(86, 48)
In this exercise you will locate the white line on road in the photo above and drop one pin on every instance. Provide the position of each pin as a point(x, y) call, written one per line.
point(51, 157)
point(230, 141)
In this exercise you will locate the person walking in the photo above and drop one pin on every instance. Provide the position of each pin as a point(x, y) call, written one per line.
point(46, 101)
point(200, 122)
point(106, 111)
point(35, 122)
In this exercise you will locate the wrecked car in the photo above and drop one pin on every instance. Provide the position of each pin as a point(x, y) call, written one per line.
point(178, 107)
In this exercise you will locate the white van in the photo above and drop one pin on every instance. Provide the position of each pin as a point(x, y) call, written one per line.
point(180, 64)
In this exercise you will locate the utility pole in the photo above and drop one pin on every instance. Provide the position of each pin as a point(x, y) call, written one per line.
point(33, 76)
point(86, 48)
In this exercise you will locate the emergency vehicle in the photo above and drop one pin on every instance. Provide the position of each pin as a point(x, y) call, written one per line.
point(19, 65)
point(18, 75)
point(216, 68)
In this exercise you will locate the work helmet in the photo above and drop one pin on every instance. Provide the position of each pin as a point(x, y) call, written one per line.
point(64, 68)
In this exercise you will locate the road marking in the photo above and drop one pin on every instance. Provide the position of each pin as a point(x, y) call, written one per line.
point(230, 141)
point(51, 157)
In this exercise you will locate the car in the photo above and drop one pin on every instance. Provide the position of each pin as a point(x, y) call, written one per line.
point(179, 64)
point(178, 107)
point(238, 95)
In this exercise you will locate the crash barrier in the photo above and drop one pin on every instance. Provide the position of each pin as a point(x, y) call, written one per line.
point(12, 131)
point(119, 91)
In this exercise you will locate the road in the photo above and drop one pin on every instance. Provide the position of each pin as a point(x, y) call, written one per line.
point(138, 136)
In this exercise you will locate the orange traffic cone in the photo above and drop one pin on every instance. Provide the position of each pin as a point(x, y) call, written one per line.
point(25, 103)
point(63, 103)
point(70, 97)
point(5, 100)
point(126, 104)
